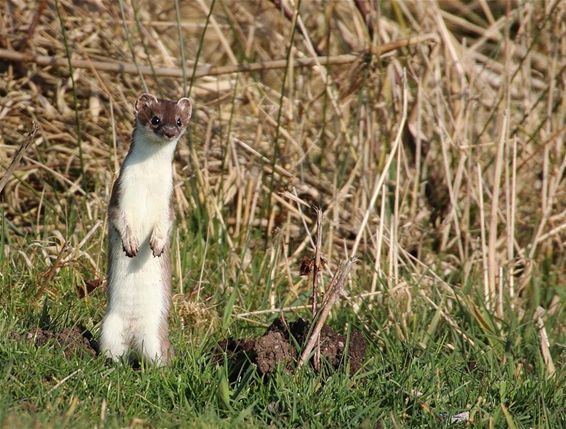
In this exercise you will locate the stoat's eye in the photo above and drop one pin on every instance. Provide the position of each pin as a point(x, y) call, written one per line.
point(179, 123)
point(155, 120)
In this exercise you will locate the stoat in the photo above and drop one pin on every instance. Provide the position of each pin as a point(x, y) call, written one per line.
point(140, 215)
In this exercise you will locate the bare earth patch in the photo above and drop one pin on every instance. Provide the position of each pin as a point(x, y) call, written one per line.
point(73, 341)
point(279, 344)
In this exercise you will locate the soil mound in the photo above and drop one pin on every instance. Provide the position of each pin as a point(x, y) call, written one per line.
point(72, 340)
point(279, 344)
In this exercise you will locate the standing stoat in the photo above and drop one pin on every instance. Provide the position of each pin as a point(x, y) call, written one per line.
point(140, 215)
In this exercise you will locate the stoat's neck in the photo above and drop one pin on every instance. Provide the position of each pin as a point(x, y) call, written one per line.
point(149, 148)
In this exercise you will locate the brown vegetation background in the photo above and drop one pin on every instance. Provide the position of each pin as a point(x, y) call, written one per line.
point(438, 161)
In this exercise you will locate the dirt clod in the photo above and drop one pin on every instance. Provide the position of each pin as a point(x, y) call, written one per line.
point(273, 349)
point(72, 340)
point(357, 351)
point(279, 345)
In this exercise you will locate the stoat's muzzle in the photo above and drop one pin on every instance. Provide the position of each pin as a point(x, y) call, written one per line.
point(169, 131)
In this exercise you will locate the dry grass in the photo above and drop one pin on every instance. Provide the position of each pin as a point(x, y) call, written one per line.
point(440, 164)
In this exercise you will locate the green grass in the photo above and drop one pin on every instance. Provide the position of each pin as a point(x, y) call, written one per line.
point(418, 374)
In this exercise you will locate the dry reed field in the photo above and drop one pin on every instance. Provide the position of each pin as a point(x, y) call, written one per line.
point(427, 138)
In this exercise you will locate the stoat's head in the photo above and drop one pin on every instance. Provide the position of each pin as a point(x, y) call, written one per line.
point(162, 120)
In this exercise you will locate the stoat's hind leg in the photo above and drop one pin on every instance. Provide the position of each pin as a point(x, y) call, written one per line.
point(154, 344)
point(113, 341)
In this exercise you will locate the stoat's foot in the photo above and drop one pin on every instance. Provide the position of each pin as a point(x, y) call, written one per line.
point(130, 245)
point(157, 245)
point(112, 339)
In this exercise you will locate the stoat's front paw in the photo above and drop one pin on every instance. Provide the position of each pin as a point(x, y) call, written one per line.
point(157, 244)
point(130, 246)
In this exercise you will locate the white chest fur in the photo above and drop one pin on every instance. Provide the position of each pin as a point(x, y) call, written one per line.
point(146, 184)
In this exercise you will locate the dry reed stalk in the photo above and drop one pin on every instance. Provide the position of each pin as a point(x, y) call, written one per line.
point(487, 11)
point(394, 229)
point(379, 240)
point(366, 12)
point(315, 273)
point(326, 79)
point(276, 168)
point(202, 266)
point(316, 267)
point(28, 140)
point(225, 44)
point(381, 178)
point(178, 264)
point(288, 13)
point(544, 342)
point(353, 300)
point(204, 71)
point(511, 198)
point(146, 23)
point(333, 291)
point(273, 265)
point(487, 292)
point(492, 257)
point(273, 311)
point(453, 216)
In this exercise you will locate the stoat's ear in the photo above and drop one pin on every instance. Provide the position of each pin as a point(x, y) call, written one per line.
point(145, 100)
point(185, 106)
